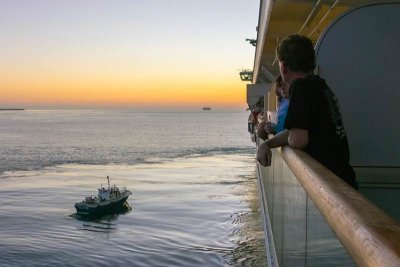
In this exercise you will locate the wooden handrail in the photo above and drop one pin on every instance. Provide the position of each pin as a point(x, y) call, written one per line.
point(370, 236)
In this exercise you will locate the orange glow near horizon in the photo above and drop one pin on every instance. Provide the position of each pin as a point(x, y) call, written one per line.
point(134, 54)
point(123, 91)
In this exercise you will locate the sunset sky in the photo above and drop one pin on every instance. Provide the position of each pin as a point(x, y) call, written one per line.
point(153, 54)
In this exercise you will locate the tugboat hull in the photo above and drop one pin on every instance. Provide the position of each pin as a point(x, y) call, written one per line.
point(105, 207)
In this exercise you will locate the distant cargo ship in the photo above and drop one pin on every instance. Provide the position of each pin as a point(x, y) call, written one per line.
point(206, 108)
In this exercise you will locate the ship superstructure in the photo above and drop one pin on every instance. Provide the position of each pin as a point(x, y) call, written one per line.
point(311, 217)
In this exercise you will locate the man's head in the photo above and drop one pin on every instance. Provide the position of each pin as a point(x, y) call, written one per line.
point(295, 54)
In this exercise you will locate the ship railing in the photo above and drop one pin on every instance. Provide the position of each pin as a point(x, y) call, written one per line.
point(314, 218)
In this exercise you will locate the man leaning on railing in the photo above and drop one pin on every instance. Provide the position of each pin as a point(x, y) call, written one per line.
point(314, 120)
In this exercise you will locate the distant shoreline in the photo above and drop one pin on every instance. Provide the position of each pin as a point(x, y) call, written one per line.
point(5, 109)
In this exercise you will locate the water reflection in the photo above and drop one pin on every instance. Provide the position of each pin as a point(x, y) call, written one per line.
point(104, 222)
point(175, 221)
point(248, 236)
point(99, 227)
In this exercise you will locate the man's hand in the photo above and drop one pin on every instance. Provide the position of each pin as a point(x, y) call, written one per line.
point(270, 127)
point(264, 154)
point(261, 133)
point(261, 125)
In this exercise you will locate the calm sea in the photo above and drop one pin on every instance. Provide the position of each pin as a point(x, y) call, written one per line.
point(194, 202)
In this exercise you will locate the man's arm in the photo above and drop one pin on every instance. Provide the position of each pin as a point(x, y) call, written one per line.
point(261, 133)
point(280, 139)
point(264, 150)
point(298, 138)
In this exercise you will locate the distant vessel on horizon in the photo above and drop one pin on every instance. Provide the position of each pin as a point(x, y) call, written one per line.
point(207, 108)
point(4, 109)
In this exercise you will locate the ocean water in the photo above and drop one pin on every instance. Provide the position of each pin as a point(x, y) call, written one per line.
point(194, 203)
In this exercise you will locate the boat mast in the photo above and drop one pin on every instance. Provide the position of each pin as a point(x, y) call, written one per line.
point(108, 179)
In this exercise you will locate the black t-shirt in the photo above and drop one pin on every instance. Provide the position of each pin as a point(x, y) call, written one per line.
point(314, 107)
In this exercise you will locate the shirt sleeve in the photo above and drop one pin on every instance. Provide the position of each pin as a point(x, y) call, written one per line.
point(282, 111)
point(299, 113)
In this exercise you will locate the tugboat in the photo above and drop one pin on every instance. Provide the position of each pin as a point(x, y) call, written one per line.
point(108, 200)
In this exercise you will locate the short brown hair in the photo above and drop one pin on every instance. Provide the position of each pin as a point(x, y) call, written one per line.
point(297, 52)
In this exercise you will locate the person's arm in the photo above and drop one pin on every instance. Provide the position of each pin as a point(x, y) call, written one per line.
point(298, 138)
point(280, 139)
point(270, 127)
point(264, 150)
point(261, 133)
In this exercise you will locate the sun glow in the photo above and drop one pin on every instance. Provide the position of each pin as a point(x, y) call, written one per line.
point(124, 58)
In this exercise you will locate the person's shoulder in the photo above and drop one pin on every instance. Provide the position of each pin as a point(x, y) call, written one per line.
point(309, 80)
point(309, 84)
point(284, 102)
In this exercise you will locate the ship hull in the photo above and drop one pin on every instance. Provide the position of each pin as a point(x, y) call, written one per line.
point(106, 207)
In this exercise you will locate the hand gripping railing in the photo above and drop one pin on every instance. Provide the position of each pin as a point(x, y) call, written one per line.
point(370, 236)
